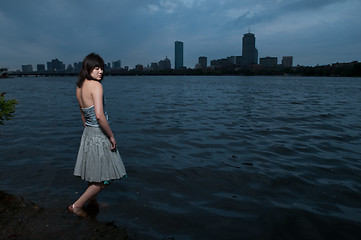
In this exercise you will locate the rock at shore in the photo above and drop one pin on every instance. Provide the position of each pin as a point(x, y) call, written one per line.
point(21, 219)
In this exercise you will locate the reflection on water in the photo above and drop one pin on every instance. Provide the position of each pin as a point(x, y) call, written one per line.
point(207, 157)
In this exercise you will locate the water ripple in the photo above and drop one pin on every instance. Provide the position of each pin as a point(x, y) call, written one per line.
point(207, 157)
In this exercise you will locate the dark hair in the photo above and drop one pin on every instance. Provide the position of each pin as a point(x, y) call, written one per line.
point(89, 63)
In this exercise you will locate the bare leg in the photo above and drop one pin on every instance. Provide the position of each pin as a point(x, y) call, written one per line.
point(90, 194)
point(93, 200)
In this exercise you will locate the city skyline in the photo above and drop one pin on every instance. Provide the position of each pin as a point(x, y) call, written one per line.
point(141, 32)
point(249, 57)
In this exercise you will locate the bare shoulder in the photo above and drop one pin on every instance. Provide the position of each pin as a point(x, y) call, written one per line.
point(92, 83)
point(95, 86)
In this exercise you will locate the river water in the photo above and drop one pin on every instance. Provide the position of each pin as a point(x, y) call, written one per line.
point(208, 157)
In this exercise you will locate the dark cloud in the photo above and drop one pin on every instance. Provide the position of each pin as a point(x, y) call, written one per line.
point(305, 5)
point(144, 31)
point(272, 10)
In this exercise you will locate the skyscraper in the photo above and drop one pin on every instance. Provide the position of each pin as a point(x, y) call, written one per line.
point(178, 63)
point(249, 50)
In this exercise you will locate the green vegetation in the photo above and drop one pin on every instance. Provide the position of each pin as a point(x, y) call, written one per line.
point(7, 108)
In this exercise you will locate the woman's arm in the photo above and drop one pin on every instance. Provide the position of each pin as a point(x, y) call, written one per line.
point(97, 95)
point(78, 96)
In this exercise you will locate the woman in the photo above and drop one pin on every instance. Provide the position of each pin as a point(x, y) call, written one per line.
point(98, 160)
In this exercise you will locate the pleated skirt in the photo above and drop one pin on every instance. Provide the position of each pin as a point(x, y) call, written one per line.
point(95, 161)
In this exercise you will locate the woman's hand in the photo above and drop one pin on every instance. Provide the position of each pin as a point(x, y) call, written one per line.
point(114, 143)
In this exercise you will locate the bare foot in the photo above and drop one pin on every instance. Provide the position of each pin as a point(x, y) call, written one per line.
point(76, 210)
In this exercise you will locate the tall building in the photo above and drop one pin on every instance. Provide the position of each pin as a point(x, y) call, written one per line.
point(287, 61)
point(202, 61)
point(249, 50)
point(178, 63)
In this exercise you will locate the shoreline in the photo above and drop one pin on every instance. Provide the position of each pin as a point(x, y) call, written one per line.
point(350, 69)
point(22, 219)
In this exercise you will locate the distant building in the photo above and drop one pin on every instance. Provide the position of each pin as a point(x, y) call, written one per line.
point(224, 63)
point(287, 61)
point(239, 61)
point(139, 68)
point(268, 62)
point(164, 64)
point(55, 66)
point(178, 52)
point(40, 67)
point(107, 67)
point(117, 65)
point(153, 66)
point(249, 50)
point(202, 62)
point(70, 68)
point(231, 60)
point(219, 62)
point(27, 68)
point(77, 66)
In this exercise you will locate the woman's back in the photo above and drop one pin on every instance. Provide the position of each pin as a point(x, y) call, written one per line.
point(85, 93)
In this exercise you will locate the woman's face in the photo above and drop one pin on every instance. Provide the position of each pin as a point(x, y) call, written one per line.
point(97, 73)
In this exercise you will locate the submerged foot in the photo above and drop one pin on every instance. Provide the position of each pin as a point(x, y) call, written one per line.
point(76, 210)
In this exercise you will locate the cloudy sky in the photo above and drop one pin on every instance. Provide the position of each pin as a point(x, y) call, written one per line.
point(143, 31)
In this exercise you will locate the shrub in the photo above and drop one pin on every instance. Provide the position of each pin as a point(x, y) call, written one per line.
point(7, 108)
